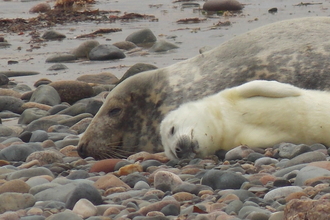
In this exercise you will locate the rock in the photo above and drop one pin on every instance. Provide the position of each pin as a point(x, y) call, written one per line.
point(239, 152)
point(39, 136)
point(6, 132)
point(11, 201)
point(31, 172)
point(16, 185)
point(19, 152)
point(125, 45)
point(222, 5)
point(106, 52)
point(83, 50)
point(144, 36)
point(165, 180)
point(47, 95)
point(40, 124)
point(31, 114)
point(4, 80)
point(12, 104)
point(57, 66)
point(72, 91)
point(57, 58)
point(281, 192)
point(75, 109)
point(40, 8)
point(101, 78)
point(217, 179)
point(83, 191)
point(309, 172)
point(93, 106)
point(307, 209)
point(137, 68)
point(9, 92)
point(107, 165)
point(162, 46)
point(306, 158)
point(288, 150)
point(133, 178)
point(53, 35)
point(67, 214)
point(45, 157)
point(84, 208)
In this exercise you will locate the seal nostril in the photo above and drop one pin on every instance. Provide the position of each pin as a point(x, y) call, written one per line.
point(81, 150)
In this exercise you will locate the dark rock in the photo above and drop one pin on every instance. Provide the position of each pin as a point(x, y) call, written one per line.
point(223, 180)
point(144, 36)
point(222, 5)
point(137, 68)
point(106, 52)
point(86, 191)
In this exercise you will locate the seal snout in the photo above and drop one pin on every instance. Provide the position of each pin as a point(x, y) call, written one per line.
point(185, 147)
point(82, 150)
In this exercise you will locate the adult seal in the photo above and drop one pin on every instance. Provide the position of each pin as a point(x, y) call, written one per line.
point(258, 114)
point(293, 51)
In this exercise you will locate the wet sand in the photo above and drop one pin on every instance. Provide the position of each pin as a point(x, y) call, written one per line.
point(189, 37)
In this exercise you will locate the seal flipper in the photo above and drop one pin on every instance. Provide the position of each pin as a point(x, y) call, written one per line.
point(269, 89)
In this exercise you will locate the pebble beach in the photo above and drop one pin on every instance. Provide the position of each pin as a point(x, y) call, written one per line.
point(54, 77)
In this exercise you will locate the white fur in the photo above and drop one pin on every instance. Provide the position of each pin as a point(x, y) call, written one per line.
point(258, 114)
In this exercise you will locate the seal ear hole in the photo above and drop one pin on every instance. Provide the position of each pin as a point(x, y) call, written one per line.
point(114, 112)
point(172, 130)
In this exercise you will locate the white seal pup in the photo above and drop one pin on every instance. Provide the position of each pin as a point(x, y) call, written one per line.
point(257, 114)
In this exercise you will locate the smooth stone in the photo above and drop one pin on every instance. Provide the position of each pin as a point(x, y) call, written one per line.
point(281, 192)
point(11, 201)
point(222, 5)
point(57, 108)
point(31, 114)
point(133, 178)
point(157, 206)
point(33, 217)
point(75, 109)
point(149, 163)
point(191, 188)
point(171, 209)
point(67, 214)
point(58, 58)
point(223, 180)
point(141, 185)
point(137, 68)
point(19, 152)
point(166, 180)
point(81, 126)
point(39, 136)
point(16, 185)
point(13, 104)
point(44, 81)
point(40, 124)
point(6, 131)
point(63, 143)
point(8, 114)
point(72, 91)
point(238, 153)
point(85, 191)
point(125, 45)
point(106, 165)
point(247, 210)
point(106, 52)
point(57, 66)
point(143, 36)
point(19, 73)
point(309, 172)
point(58, 193)
point(265, 161)
point(287, 170)
point(163, 46)
point(31, 172)
point(4, 80)
point(39, 188)
point(53, 35)
point(101, 78)
point(288, 150)
point(83, 50)
point(110, 181)
point(78, 174)
point(277, 216)
point(36, 181)
point(306, 158)
point(9, 92)
point(45, 157)
point(75, 119)
point(84, 208)
point(93, 106)
point(47, 95)
point(234, 207)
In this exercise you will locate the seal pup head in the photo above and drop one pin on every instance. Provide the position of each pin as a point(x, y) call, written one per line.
point(190, 131)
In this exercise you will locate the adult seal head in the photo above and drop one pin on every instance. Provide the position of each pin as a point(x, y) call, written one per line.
point(258, 114)
point(294, 51)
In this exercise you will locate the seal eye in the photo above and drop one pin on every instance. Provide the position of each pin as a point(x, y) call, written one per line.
point(114, 112)
point(172, 130)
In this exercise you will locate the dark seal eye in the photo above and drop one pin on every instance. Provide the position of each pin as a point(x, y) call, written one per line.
point(172, 130)
point(114, 112)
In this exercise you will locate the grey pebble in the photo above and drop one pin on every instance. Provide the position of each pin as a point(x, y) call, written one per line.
point(162, 46)
point(143, 36)
point(223, 180)
point(57, 58)
point(47, 95)
point(309, 172)
point(19, 152)
point(106, 52)
point(52, 35)
point(31, 114)
point(57, 66)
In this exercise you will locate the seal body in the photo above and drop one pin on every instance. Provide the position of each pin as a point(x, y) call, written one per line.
point(257, 114)
point(295, 51)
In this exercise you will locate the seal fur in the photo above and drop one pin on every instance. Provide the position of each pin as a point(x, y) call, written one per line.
point(294, 51)
point(258, 114)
